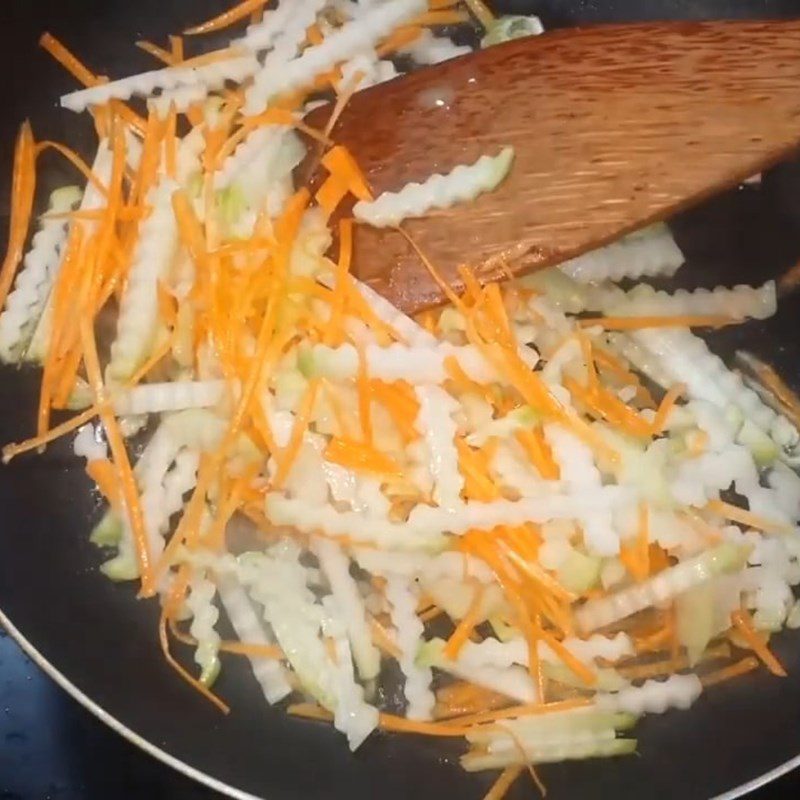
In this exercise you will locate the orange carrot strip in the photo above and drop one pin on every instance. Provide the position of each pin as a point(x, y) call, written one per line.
point(176, 48)
point(439, 18)
point(271, 651)
point(227, 18)
point(538, 451)
point(533, 709)
point(360, 457)
point(157, 52)
point(744, 517)
point(744, 624)
point(481, 12)
point(383, 639)
point(432, 613)
point(13, 450)
point(76, 161)
point(339, 161)
point(388, 722)
point(636, 323)
point(364, 398)
point(666, 406)
point(300, 426)
point(636, 557)
point(467, 624)
point(742, 667)
point(102, 472)
point(67, 60)
point(119, 453)
point(23, 187)
point(190, 679)
point(500, 788)
point(398, 39)
point(576, 666)
point(331, 193)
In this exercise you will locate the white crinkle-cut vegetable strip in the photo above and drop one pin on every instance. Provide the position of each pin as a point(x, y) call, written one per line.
point(651, 252)
point(428, 48)
point(353, 716)
point(156, 398)
point(492, 652)
point(352, 38)
point(513, 681)
point(181, 99)
point(137, 323)
point(92, 198)
point(722, 559)
point(408, 635)
point(200, 602)
point(578, 471)
point(280, 23)
point(654, 697)
point(336, 566)
point(462, 184)
point(578, 747)
point(416, 364)
point(211, 76)
point(32, 286)
point(739, 302)
point(278, 582)
point(686, 358)
point(269, 673)
point(438, 428)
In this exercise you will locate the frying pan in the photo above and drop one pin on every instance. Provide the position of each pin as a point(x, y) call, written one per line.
point(100, 644)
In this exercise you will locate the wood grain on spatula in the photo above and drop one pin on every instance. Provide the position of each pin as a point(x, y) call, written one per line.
point(613, 127)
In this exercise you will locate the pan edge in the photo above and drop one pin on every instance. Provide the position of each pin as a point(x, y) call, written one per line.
point(113, 723)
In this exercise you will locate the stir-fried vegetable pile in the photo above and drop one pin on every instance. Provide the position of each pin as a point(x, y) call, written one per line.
point(549, 502)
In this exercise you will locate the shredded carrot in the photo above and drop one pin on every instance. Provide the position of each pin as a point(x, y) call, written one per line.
point(227, 18)
point(398, 39)
point(667, 404)
point(467, 624)
point(637, 323)
point(67, 60)
point(190, 679)
point(364, 399)
point(516, 712)
point(23, 187)
point(154, 50)
point(388, 722)
point(481, 12)
point(744, 517)
point(119, 453)
point(12, 450)
point(744, 624)
point(576, 666)
point(300, 426)
point(636, 556)
point(444, 17)
point(742, 667)
point(430, 614)
point(102, 472)
point(271, 651)
point(536, 448)
point(505, 781)
point(340, 162)
point(360, 457)
point(76, 161)
point(383, 639)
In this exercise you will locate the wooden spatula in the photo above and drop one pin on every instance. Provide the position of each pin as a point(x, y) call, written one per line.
point(613, 127)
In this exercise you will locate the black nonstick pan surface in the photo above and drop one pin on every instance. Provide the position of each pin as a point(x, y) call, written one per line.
point(100, 642)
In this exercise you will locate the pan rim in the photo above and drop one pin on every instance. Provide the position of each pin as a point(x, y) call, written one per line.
point(205, 779)
point(115, 724)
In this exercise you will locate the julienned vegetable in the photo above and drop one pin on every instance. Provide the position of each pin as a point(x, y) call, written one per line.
point(491, 495)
